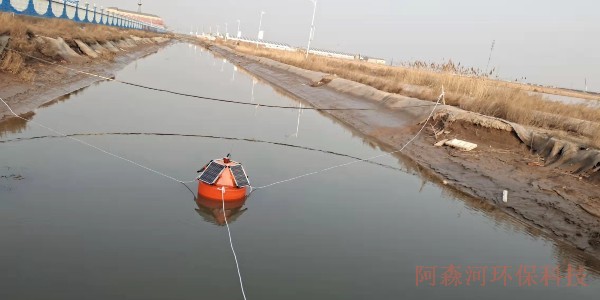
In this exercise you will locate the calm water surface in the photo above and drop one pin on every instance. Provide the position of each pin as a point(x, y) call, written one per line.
point(84, 225)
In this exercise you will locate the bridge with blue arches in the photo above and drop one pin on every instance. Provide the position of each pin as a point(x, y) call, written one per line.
point(72, 10)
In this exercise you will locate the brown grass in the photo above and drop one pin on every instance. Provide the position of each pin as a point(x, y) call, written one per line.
point(477, 94)
point(21, 26)
point(23, 30)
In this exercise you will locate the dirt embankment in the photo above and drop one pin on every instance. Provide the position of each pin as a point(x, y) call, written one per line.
point(476, 92)
point(552, 184)
point(41, 59)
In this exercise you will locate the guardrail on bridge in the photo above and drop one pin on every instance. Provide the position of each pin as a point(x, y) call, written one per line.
point(71, 10)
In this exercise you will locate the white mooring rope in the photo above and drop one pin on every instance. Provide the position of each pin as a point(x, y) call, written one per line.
point(186, 94)
point(95, 147)
point(237, 265)
point(148, 169)
point(440, 98)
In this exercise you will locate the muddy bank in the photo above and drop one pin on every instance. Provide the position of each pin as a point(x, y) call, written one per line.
point(53, 80)
point(563, 203)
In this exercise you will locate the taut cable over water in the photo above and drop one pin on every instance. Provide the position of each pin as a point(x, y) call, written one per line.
point(440, 98)
point(196, 96)
point(356, 160)
point(95, 147)
point(237, 265)
point(164, 134)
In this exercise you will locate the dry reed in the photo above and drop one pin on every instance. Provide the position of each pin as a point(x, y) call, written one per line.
point(23, 30)
point(478, 94)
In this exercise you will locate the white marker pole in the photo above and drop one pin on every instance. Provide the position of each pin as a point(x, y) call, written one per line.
point(259, 28)
point(312, 27)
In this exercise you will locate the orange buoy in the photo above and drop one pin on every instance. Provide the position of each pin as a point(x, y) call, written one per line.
point(223, 179)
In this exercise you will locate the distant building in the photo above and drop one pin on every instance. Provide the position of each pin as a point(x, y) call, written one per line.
point(376, 60)
point(142, 17)
point(334, 54)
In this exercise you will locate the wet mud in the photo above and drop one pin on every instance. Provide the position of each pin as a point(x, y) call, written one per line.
point(562, 205)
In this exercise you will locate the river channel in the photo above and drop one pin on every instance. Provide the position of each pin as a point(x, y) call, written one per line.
point(76, 223)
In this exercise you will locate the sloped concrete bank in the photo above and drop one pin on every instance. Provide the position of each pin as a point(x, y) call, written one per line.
point(52, 81)
point(552, 184)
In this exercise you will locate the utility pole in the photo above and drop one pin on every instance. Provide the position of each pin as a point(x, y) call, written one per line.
point(260, 33)
point(312, 27)
point(490, 58)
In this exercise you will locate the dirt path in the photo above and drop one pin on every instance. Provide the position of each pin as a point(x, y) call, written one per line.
point(561, 205)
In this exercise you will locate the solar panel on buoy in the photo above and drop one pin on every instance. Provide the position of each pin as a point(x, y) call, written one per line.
point(212, 172)
point(241, 179)
point(223, 180)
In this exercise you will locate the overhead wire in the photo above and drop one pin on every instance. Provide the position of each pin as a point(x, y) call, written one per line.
point(95, 147)
point(440, 98)
point(252, 140)
point(219, 100)
point(210, 99)
point(193, 95)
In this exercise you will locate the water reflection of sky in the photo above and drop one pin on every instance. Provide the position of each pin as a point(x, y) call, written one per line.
point(83, 223)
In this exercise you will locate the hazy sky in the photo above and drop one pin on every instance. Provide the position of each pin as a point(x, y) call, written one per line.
point(548, 41)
